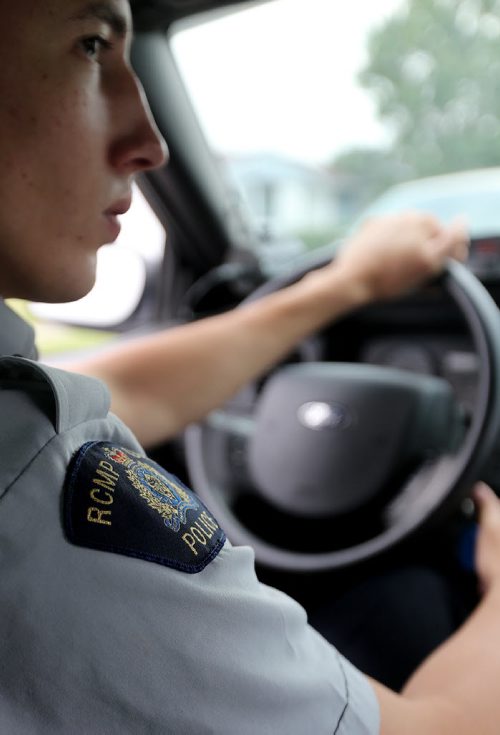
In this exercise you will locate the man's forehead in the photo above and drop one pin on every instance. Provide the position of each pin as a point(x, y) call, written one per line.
point(114, 12)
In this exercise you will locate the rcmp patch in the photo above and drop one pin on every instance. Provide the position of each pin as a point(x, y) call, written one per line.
point(120, 501)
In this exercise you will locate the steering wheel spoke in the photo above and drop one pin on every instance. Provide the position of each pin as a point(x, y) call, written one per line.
point(232, 423)
point(226, 436)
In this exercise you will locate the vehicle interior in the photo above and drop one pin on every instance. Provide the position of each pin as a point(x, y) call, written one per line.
point(417, 379)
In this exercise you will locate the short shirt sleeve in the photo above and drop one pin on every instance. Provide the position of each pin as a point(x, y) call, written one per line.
point(285, 675)
point(124, 636)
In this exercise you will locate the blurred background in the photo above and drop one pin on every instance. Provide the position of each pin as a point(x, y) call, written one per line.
point(317, 112)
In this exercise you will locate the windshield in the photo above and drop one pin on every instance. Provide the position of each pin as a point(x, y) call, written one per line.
point(315, 108)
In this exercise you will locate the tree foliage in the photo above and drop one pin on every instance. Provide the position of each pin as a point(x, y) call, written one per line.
point(362, 173)
point(434, 71)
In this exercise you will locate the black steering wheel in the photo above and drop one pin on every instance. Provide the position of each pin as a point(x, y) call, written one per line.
point(331, 464)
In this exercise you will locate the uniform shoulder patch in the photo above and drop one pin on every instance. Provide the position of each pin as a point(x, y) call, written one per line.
point(119, 501)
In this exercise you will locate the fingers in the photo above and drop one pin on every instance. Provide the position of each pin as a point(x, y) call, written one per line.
point(432, 226)
point(487, 554)
point(488, 504)
point(392, 254)
point(459, 240)
point(412, 227)
point(449, 242)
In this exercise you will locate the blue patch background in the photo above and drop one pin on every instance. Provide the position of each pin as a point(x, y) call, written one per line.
point(136, 529)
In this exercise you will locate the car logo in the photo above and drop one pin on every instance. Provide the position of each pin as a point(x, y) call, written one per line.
point(318, 415)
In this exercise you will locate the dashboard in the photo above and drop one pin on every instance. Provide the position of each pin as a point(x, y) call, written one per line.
point(452, 358)
point(484, 258)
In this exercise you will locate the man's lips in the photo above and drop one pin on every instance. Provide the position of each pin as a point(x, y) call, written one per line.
point(119, 207)
point(112, 213)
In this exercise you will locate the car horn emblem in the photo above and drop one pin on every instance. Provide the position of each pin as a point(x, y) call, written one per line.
point(319, 415)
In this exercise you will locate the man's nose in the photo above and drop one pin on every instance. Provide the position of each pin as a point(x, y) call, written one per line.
point(141, 146)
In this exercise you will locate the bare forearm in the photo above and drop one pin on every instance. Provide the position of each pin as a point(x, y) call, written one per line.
point(466, 670)
point(161, 383)
point(456, 690)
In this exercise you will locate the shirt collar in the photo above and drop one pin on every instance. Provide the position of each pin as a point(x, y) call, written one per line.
point(16, 336)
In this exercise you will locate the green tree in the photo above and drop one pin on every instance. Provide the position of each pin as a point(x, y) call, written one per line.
point(434, 69)
point(363, 173)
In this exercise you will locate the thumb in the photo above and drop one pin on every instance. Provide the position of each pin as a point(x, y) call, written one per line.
point(487, 503)
point(438, 247)
point(452, 241)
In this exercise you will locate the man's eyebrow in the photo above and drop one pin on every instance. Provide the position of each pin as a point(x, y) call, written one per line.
point(105, 12)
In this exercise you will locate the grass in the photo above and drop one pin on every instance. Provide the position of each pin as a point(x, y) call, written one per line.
point(58, 339)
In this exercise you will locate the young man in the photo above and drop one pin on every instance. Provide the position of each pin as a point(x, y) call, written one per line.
point(123, 607)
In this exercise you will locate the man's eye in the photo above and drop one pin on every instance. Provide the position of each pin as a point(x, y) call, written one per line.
point(93, 45)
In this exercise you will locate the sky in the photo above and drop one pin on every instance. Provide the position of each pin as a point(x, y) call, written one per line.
point(281, 77)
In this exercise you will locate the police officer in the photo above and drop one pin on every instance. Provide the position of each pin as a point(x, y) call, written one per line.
point(124, 609)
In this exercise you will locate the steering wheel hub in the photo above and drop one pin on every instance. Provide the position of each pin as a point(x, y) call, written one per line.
point(329, 438)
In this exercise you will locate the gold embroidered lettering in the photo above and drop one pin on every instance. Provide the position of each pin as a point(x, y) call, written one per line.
point(199, 536)
point(93, 495)
point(108, 467)
point(208, 522)
point(206, 532)
point(95, 515)
point(107, 481)
point(190, 541)
point(200, 532)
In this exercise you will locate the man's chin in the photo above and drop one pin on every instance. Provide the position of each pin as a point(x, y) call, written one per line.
point(66, 293)
point(63, 286)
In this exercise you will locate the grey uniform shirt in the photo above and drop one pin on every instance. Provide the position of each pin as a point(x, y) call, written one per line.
point(127, 638)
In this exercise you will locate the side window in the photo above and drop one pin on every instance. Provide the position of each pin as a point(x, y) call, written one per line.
point(121, 284)
point(284, 110)
point(317, 108)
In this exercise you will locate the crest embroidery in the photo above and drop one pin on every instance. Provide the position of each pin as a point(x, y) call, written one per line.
point(164, 495)
point(119, 501)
